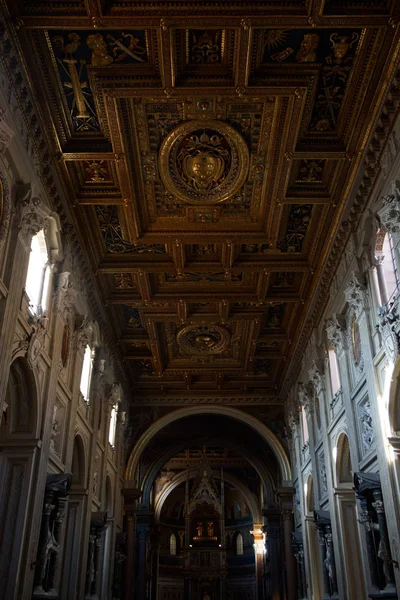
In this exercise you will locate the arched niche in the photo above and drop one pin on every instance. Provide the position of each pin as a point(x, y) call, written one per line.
point(20, 419)
point(147, 479)
point(344, 475)
point(228, 477)
point(262, 430)
point(78, 467)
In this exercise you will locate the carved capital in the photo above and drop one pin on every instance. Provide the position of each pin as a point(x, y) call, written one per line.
point(6, 133)
point(336, 331)
point(83, 335)
point(293, 422)
point(306, 398)
point(356, 294)
point(37, 340)
point(316, 374)
point(64, 295)
point(389, 214)
point(386, 324)
point(32, 216)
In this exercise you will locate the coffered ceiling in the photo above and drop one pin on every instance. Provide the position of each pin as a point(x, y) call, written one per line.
point(207, 150)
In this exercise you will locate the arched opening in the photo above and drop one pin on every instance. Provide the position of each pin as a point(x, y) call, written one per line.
point(73, 553)
point(78, 464)
point(18, 471)
point(312, 555)
point(349, 539)
point(169, 475)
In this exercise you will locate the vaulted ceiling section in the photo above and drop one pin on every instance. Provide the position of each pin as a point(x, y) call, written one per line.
point(207, 150)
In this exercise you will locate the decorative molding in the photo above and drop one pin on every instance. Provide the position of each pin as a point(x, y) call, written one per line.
point(83, 335)
point(6, 133)
point(387, 323)
point(32, 217)
point(65, 295)
point(356, 294)
point(389, 214)
point(5, 206)
point(177, 400)
point(336, 332)
point(37, 340)
point(316, 374)
point(306, 397)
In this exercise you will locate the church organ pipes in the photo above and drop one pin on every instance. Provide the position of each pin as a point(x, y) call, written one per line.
point(47, 558)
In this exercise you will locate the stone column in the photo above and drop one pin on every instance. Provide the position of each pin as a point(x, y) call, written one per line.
point(131, 495)
point(259, 549)
point(142, 532)
point(287, 516)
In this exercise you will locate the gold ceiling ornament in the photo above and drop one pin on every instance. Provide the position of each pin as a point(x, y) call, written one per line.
point(204, 162)
point(203, 339)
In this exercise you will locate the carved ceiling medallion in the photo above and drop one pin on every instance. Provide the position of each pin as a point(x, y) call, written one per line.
point(203, 339)
point(204, 162)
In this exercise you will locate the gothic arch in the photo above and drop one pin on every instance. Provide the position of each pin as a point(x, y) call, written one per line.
point(181, 477)
point(228, 411)
point(78, 468)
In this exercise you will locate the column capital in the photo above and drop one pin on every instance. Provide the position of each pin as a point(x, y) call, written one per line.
point(32, 215)
point(65, 295)
point(336, 332)
point(316, 374)
point(389, 214)
point(356, 293)
point(387, 323)
point(306, 398)
point(83, 335)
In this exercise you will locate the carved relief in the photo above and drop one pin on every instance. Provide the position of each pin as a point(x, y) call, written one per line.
point(203, 339)
point(204, 165)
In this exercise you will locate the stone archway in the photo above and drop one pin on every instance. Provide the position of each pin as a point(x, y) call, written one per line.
point(264, 432)
point(18, 470)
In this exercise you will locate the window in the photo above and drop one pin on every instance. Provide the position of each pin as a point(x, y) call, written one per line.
point(239, 545)
point(86, 373)
point(172, 545)
point(113, 425)
point(38, 276)
point(334, 371)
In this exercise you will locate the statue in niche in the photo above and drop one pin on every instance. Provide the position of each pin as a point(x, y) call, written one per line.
point(199, 529)
point(367, 428)
point(210, 529)
point(206, 596)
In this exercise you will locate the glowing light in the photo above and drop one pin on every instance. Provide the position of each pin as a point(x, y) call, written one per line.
point(334, 454)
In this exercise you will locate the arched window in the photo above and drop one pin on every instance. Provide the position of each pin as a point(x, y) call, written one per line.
point(38, 276)
point(86, 374)
point(113, 425)
point(239, 545)
point(334, 371)
point(172, 545)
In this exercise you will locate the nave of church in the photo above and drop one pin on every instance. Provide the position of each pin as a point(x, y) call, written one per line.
point(199, 300)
